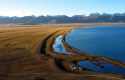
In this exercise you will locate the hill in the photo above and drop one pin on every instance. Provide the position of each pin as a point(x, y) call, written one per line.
point(92, 18)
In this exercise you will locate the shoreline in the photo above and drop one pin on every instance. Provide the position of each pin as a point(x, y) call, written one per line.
point(18, 60)
point(77, 57)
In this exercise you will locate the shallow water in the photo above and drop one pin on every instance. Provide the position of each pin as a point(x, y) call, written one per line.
point(58, 45)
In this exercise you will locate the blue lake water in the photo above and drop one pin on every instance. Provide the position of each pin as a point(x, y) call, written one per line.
point(106, 41)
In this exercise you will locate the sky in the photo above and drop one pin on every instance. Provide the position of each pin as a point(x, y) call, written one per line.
point(59, 7)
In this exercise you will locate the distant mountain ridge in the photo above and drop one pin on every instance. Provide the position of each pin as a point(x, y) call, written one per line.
point(94, 17)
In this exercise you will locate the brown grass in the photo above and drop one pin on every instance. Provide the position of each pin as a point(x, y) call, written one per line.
point(20, 58)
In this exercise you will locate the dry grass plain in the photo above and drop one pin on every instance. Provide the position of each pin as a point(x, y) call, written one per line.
point(20, 57)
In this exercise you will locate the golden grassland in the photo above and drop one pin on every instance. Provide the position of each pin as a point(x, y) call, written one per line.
point(20, 57)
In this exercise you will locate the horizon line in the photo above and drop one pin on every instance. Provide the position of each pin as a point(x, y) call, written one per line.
point(62, 14)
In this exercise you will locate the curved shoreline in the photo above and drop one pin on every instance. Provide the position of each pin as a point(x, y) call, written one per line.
point(21, 60)
point(63, 58)
point(89, 57)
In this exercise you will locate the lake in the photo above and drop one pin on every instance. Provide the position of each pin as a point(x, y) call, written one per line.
point(106, 41)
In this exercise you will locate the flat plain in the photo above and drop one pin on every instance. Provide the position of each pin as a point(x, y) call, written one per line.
point(21, 57)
